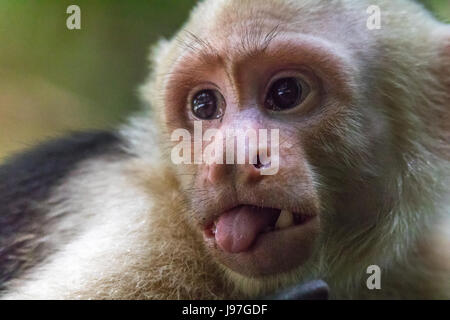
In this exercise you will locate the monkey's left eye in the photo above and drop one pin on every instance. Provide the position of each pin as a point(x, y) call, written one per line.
point(286, 93)
point(207, 104)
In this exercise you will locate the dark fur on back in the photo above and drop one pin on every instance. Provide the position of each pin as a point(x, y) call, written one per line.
point(26, 181)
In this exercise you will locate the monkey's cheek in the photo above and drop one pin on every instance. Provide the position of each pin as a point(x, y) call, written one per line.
point(272, 252)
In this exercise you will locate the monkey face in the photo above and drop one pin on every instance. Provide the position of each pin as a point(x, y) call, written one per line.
point(258, 216)
point(263, 75)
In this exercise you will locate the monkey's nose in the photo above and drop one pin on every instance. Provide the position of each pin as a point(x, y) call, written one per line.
point(250, 171)
point(258, 163)
point(253, 171)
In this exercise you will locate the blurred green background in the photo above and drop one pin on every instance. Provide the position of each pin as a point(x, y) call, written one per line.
point(53, 79)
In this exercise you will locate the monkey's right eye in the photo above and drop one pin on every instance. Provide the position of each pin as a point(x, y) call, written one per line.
point(207, 104)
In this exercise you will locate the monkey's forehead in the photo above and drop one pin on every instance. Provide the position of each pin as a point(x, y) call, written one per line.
point(225, 32)
point(254, 22)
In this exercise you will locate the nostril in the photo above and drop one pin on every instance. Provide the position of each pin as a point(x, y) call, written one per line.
point(259, 164)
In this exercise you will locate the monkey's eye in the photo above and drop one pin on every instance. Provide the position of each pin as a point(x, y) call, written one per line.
point(286, 93)
point(207, 104)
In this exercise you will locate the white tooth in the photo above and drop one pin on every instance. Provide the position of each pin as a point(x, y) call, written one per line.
point(286, 219)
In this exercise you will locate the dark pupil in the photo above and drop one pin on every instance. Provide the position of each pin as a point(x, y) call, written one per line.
point(204, 104)
point(284, 94)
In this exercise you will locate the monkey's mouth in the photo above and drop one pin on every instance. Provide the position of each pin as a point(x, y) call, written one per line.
point(257, 241)
point(237, 229)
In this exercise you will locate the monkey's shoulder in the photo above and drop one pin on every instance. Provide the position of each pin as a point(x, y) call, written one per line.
point(28, 179)
point(30, 176)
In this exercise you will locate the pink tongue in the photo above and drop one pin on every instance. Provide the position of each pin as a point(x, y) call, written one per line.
point(237, 229)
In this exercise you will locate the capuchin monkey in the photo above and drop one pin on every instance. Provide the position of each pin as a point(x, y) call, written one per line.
point(360, 196)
